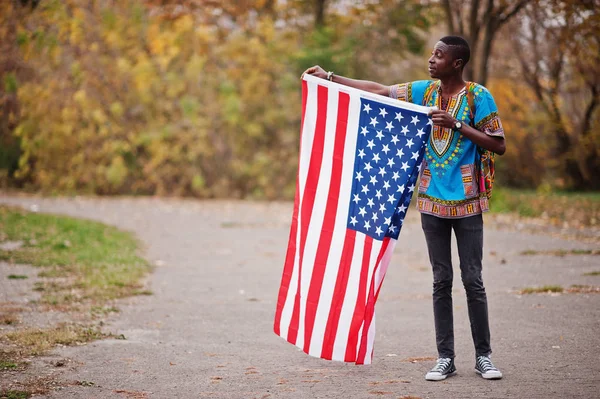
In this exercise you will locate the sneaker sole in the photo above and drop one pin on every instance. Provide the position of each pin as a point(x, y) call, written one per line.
point(489, 377)
point(440, 377)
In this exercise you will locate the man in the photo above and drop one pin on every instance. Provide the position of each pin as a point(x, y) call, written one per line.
point(452, 194)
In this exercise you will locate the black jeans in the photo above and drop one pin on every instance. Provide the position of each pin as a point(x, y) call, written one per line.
point(469, 239)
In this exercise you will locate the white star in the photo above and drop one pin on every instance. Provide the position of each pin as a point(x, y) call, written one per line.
point(409, 143)
point(386, 148)
point(378, 194)
point(391, 199)
point(362, 211)
point(390, 162)
point(367, 108)
point(392, 229)
point(396, 176)
point(373, 180)
point(404, 130)
point(379, 134)
point(359, 175)
point(370, 202)
point(401, 208)
point(386, 184)
point(382, 207)
point(387, 220)
point(399, 116)
point(376, 158)
point(415, 120)
point(361, 153)
point(378, 230)
point(400, 153)
point(374, 217)
point(365, 189)
point(400, 189)
point(420, 132)
point(382, 171)
point(419, 167)
point(373, 122)
point(430, 122)
point(382, 112)
point(411, 188)
point(415, 155)
point(356, 199)
point(389, 126)
point(367, 225)
point(370, 144)
point(395, 139)
point(364, 131)
point(353, 221)
point(368, 167)
point(404, 166)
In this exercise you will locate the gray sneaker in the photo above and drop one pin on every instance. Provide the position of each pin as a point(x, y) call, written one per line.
point(442, 370)
point(485, 367)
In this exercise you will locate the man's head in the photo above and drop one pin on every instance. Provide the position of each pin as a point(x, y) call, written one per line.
point(449, 57)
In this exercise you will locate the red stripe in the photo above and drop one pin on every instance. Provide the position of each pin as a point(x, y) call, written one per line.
point(308, 199)
point(370, 307)
point(359, 309)
point(316, 283)
point(339, 294)
point(291, 250)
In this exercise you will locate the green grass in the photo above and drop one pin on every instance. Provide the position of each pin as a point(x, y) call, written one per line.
point(35, 341)
point(14, 395)
point(16, 277)
point(544, 289)
point(96, 261)
point(7, 365)
point(594, 273)
point(577, 209)
point(561, 252)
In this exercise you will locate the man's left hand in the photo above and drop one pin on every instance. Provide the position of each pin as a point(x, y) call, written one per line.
point(442, 118)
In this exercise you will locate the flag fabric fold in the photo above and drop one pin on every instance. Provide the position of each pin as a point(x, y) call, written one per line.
point(360, 157)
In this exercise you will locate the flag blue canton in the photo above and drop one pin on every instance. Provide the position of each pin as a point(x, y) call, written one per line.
point(389, 151)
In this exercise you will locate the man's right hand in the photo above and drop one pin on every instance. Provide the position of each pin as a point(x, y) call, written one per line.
point(316, 71)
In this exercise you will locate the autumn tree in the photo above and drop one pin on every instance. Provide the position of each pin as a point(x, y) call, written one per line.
point(479, 21)
point(558, 47)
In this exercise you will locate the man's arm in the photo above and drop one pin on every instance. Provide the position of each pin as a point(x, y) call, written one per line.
point(490, 143)
point(366, 85)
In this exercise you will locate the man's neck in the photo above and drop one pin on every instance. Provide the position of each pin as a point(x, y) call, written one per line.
point(452, 85)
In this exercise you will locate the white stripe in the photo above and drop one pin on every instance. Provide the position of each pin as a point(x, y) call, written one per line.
point(384, 263)
point(308, 133)
point(318, 212)
point(339, 230)
point(370, 341)
point(347, 312)
point(375, 248)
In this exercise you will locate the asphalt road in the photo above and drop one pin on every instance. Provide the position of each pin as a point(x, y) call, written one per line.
point(206, 332)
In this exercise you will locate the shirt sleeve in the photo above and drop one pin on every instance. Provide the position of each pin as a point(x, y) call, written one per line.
point(411, 92)
point(487, 119)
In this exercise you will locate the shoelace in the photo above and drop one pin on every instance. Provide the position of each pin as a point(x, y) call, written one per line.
point(442, 364)
point(485, 364)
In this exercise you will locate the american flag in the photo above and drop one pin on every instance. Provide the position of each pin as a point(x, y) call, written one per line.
point(360, 156)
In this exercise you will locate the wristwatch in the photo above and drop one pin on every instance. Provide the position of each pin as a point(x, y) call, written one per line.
point(457, 125)
point(330, 75)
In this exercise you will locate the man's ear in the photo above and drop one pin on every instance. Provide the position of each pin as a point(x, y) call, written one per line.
point(458, 63)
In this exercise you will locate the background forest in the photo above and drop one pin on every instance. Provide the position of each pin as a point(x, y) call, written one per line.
point(202, 98)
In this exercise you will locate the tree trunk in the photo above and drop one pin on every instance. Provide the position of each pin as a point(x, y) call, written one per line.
point(320, 6)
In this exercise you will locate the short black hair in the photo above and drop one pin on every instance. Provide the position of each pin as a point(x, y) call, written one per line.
point(460, 48)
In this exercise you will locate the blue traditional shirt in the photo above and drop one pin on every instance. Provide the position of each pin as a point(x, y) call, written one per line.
point(449, 185)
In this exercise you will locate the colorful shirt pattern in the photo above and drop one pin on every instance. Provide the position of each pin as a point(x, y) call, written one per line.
point(448, 186)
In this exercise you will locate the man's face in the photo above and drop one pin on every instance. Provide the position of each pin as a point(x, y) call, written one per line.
point(441, 62)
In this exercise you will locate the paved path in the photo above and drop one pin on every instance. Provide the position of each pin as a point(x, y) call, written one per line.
point(207, 330)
